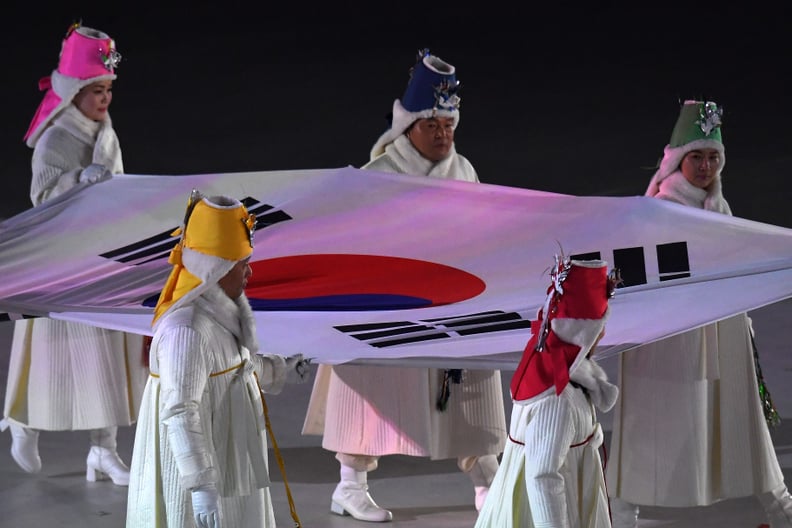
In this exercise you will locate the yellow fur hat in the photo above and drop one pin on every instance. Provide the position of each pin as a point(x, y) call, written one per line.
point(216, 234)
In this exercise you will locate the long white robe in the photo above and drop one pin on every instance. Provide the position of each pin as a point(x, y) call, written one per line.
point(202, 418)
point(550, 474)
point(68, 376)
point(366, 410)
point(688, 428)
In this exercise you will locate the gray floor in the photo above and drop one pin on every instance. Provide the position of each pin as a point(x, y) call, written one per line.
point(420, 492)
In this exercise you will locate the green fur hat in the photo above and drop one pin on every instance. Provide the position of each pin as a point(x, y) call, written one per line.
point(698, 127)
point(698, 121)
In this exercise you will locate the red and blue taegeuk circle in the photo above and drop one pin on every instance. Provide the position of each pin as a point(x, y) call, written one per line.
point(342, 282)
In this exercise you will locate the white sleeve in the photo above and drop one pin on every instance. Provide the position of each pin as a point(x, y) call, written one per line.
point(184, 372)
point(54, 167)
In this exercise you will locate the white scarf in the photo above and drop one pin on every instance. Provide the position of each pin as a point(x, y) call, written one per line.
point(410, 161)
point(590, 375)
point(100, 134)
point(675, 187)
point(235, 315)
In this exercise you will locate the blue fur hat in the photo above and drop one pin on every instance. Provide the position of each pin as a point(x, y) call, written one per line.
point(432, 85)
point(432, 91)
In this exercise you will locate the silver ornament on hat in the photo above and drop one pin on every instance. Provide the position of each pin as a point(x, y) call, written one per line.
point(710, 117)
point(558, 275)
point(111, 59)
point(249, 222)
point(446, 96)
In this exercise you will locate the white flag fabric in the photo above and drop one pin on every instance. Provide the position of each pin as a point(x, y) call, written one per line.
point(356, 265)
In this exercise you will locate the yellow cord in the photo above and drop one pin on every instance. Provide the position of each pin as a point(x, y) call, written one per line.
point(279, 458)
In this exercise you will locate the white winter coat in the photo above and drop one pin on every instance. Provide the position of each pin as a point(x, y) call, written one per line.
point(202, 417)
point(551, 473)
point(689, 429)
point(71, 376)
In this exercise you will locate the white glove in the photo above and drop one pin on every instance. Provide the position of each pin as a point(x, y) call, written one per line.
point(95, 173)
point(297, 369)
point(206, 506)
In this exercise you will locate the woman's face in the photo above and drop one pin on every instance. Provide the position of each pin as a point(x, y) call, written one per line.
point(233, 283)
point(701, 166)
point(94, 100)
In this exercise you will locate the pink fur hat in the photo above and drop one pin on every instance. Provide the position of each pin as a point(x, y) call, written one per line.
point(87, 56)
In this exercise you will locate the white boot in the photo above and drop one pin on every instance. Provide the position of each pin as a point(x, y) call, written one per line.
point(24, 448)
point(104, 460)
point(351, 497)
point(624, 514)
point(482, 474)
point(778, 505)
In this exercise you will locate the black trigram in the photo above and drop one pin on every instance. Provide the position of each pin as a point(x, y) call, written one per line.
point(672, 262)
point(158, 247)
point(394, 333)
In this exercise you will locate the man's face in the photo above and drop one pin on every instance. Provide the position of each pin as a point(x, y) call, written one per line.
point(432, 137)
point(233, 283)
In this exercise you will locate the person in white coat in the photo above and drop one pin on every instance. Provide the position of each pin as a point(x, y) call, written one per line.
point(689, 428)
point(551, 473)
point(366, 412)
point(68, 376)
point(200, 452)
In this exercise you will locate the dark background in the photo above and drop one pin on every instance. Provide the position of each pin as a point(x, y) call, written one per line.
point(577, 99)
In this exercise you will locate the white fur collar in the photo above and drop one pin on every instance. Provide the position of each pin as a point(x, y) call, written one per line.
point(107, 150)
point(593, 378)
point(675, 187)
point(410, 161)
point(77, 124)
point(235, 315)
point(100, 134)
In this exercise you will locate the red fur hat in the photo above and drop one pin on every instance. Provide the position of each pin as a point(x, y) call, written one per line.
point(566, 329)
